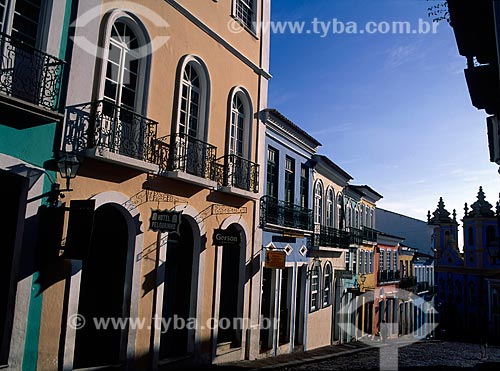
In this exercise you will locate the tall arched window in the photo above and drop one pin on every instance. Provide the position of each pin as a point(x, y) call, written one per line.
point(470, 236)
point(194, 97)
point(315, 287)
point(318, 203)
point(189, 118)
point(330, 211)
point(123, 86)
point(339, 217)
point(236, 131)
point(240, 113)
point(126, 66)
point(327, 285)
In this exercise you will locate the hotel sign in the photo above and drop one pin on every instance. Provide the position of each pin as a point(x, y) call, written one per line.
point(275, 259)
point(224, 237)
point(165, 221)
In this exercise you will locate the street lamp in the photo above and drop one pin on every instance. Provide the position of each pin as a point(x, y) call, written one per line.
point(68, 165)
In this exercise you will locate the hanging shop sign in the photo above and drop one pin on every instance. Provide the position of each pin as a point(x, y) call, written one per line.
point(225, 237)
point(275, 259)
point(165, 221)
point(343, 274)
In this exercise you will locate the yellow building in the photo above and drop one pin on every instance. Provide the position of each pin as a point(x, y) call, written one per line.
point(330, 245)
point(161, 111)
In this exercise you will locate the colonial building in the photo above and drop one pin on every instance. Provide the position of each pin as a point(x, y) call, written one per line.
point(328, 250)
point(466, 280)
point(286, 217)
point(33, 39)
point(162, 220)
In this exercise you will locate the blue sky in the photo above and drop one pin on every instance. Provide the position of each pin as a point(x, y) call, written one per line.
point(393, 110)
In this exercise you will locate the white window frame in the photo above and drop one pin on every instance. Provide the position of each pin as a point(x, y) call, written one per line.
point(327, 285)
point(144, 69)
point(315, 294)
point(318, 202)
point(205, 93)
point(246, 99)
point(330, 208)
point(254, 27)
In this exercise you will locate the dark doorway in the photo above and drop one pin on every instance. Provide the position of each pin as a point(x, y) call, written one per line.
point(102, 290)
point(267, 310)
point(285, 305)
point(230, 295)
point(178, 292)
point(299, 306)
point(13, 207)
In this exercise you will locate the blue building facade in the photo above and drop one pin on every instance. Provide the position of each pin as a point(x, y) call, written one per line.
point(287, 222)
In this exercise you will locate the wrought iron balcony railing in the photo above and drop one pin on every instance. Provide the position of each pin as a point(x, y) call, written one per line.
point(369, 234)
point(408, 282)
point(235, 171)
point(355, 236)
point(330, 237)
point(109, 127)
point(279, 213)
point(386, 276)
point(187, 154)
point(30, 74)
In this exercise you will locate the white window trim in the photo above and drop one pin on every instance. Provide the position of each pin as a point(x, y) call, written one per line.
point(205, 94)
point(144, 64)
point(254, 31)
point(248, 124)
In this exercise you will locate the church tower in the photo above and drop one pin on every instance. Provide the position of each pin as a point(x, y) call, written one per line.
point(480, 233)
point(445, 236)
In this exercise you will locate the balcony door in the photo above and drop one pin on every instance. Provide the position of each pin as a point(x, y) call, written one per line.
point(190, 145)
point(241, 169)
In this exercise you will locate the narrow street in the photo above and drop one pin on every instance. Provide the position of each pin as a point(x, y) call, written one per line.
point(423, 355)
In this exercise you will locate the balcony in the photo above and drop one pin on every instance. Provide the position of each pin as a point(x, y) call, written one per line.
point(238, 176)
point(111, 133)
point(482, 82)
point(186, 158)
point(30, 84)
point(279, 215)
point(330, 237)
point(408, 282)
point(355, 236)
point(388, 276)
point(369, 234)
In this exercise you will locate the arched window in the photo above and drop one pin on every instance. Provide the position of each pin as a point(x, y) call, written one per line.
point(318, 203)
point(327, 285)
point(330, 211)
point(238, 115)
point(315, 287)
point(194, 98)
point(339, 214)
point(240, 123)
point(123, 85)
point(122, 72)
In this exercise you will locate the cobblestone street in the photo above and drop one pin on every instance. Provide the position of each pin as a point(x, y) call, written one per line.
point(423, 355)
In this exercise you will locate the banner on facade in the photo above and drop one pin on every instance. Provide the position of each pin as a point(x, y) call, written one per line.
point(275, 259)
point(224, 237)
point(165, 221)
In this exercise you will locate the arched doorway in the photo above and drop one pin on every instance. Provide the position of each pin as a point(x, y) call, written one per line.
point(231, 292)
point(181, 286)
point(102, 290)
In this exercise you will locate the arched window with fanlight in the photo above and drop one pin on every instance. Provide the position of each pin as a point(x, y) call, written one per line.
point(123, 94)
point(330, 210)
point(318, 203)
point(327, 285)
point(240, 170)
point(189, 118)
point(339, 211)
